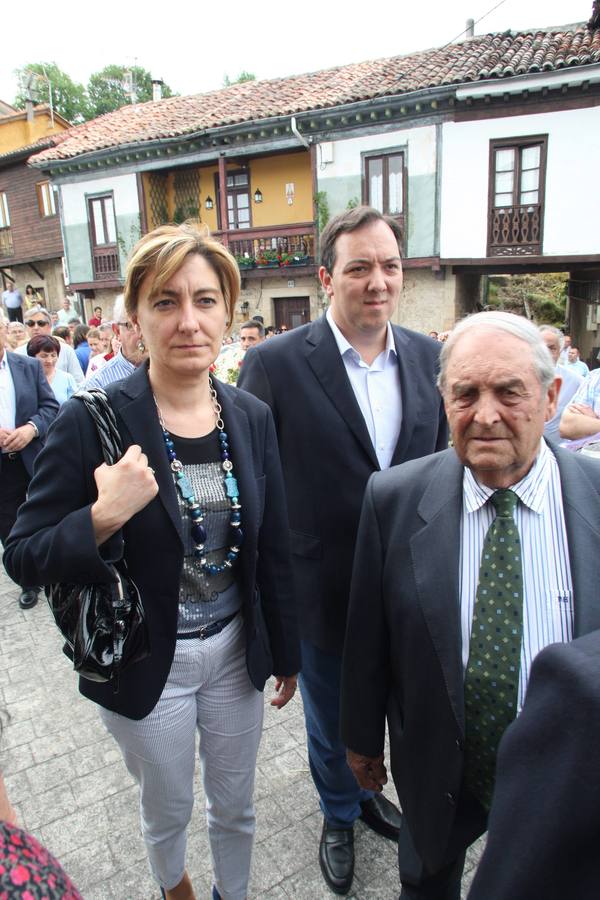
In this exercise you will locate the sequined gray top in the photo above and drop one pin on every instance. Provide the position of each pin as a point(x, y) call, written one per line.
point(204, 599)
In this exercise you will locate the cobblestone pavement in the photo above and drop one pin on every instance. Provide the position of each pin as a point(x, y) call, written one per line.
point(65, 777)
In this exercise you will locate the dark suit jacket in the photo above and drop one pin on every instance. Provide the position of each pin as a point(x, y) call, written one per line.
point(35, 402)
point(545, 817)
point(53, 539)
point(327, 455)
point(403, 653)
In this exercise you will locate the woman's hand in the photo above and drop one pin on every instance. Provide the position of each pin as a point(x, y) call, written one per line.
point(285, 688)
point(123, 490)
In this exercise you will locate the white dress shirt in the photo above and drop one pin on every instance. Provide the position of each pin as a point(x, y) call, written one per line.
point(8, 400)
point(377, 391)
point(547, 583)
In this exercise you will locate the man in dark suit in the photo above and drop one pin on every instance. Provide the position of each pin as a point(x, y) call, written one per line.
point(27, 407)
point(468, 563)
point(545, 816)
point(351, 394)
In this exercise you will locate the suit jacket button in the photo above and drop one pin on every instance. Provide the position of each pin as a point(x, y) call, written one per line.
point(450, 798)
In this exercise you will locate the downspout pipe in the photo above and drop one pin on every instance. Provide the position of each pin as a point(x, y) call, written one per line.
point(295, 131)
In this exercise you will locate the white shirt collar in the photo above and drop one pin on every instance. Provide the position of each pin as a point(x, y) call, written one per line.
point(344, 346)
point(530, 490)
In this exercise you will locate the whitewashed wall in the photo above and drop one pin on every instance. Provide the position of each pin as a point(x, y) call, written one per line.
point(572, 202)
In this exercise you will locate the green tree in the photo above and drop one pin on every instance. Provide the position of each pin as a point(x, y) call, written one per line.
point(69, 98)
point(115, 86)
point(242, 77)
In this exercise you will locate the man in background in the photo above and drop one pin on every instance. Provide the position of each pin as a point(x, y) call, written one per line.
point(39, 322)
point(12, 300)
point(129, 357)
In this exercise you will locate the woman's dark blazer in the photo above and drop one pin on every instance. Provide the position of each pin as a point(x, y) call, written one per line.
point(53, 539)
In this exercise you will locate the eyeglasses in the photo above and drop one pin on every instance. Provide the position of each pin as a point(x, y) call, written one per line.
point(39, 322)
point(127, 325)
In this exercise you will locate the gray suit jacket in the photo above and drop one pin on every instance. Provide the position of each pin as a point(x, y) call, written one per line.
point(403, 654)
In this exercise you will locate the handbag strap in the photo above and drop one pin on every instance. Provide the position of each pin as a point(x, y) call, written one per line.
point(98, 405)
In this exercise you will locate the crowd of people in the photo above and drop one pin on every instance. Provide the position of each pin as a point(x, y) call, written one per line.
point(385, 518)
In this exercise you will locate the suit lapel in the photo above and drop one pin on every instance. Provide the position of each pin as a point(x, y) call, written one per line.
point(582, 519)
point(324, 358)
point(435, 551)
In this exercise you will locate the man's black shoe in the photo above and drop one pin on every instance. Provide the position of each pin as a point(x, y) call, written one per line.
point(382, 816)
point(28, 599)
point(336, 857)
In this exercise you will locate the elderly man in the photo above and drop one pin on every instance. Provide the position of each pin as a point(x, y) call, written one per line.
point(129, 357)
point(468, 563)
point(67, 312)
point(38, 321)
point(351, 394)
point(27, 408)
point(569, 380)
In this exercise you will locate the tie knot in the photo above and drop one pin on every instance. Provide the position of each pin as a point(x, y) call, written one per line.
point(504, 502)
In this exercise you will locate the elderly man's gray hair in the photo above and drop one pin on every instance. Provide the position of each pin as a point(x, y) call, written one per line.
point(119, 314)
point(555, 331)
point(508, 323)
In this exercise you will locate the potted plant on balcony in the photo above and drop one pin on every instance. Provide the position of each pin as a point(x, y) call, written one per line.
point(245, 261)
point(267, 259)
point(298, 259)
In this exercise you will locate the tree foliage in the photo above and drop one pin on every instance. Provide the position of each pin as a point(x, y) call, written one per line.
point(114, 86)
point(69, 98)
point(242, 77)
point(541, 297)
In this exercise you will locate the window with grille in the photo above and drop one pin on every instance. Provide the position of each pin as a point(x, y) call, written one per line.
point(517, 176)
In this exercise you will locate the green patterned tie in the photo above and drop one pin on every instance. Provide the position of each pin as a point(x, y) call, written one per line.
point(492, 677)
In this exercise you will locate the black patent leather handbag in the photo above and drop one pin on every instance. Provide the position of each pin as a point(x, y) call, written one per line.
point(103, 624)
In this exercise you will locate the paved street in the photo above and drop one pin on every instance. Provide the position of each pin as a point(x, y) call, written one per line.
point(65, 776)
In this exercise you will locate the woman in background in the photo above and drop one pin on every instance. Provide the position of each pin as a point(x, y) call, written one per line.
point(46, 349)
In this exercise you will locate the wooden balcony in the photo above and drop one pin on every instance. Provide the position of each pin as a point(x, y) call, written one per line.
point(295, 243)
point(6, 243)
point(106, 262)
point(516, 231)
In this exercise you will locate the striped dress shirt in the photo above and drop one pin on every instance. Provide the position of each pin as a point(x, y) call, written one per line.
point(114, 370)
point(547, 583)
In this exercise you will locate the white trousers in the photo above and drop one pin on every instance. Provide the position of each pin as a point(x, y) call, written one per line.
point(208, 689)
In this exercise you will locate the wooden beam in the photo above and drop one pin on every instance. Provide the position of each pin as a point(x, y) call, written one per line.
point(223, 198)
point(37, 271)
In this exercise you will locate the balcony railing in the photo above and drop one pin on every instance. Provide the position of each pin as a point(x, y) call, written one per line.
point(516, 231)
point(6, 244)
point(297, 243)
point(106, 263)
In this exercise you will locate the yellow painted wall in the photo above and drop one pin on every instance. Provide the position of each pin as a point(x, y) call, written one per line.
point(271, 174)
point(16, 131)
point(207, 189)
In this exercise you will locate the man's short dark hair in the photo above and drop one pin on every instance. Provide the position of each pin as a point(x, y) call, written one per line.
point(96, 308)
point(349, 221)
point(254, 323)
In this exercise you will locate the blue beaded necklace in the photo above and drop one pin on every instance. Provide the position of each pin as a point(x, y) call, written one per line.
point(197, 514)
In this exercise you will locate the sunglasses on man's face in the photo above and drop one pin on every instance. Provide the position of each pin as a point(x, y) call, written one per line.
point(39, 322)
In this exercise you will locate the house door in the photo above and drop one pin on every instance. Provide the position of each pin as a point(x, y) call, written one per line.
point(291, 311)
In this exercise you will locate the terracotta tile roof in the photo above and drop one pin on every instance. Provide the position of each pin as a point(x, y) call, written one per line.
point(482, 57)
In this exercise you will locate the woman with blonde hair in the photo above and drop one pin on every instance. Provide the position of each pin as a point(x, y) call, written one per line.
point(197, 507)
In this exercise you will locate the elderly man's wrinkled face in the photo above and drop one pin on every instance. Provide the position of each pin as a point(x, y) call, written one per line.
point(496, 406)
